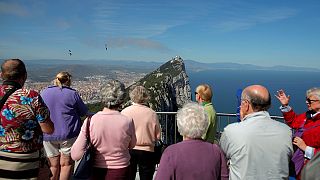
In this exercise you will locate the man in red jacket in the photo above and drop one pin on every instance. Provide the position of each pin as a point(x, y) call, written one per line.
point(308, 122)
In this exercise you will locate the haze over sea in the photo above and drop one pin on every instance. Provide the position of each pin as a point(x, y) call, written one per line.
point(225, 84)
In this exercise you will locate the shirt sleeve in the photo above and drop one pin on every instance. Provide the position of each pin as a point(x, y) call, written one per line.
point(42, 112)
point(224, 144)
point(81, 107)
point(158, 128)
point(79, 146)
point(309, 152)
point(224, 173)
point(132, 130)
point(165, 170)
point(285, 108)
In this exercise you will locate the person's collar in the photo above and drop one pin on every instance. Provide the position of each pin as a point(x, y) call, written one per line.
point(12, 83)
point(109, 111)
point(205, 103)
point(137, 104)
point(255, 114)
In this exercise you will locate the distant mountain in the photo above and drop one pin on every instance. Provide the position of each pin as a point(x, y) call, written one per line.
point(192, 65)
point(44, 70)
point(198, 66)
point(94, 62)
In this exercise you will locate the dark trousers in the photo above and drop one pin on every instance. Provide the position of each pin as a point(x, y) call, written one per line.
point(146, 163)
point(110, 174)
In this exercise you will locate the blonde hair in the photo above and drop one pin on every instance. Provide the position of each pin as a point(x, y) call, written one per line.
point(205, 92)
point(62, 79)
point(139, 95)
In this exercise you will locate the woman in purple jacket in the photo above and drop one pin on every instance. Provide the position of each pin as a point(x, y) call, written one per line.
point(66, 107)
point(193, 158)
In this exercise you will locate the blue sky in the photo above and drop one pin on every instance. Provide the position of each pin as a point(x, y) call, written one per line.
point(260, 32)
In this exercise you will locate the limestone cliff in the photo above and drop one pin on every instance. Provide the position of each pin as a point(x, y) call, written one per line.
point(168, 85)
point(169, 89)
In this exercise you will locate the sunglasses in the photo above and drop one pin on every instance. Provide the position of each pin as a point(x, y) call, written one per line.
point(310, 101)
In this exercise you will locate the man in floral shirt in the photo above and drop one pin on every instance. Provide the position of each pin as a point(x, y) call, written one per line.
point(24, 118)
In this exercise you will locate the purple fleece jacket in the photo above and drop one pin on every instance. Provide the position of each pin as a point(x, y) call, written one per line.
point(192, 160)
point(66, 107)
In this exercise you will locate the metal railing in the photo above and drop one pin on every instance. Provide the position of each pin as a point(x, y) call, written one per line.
point(170, 134)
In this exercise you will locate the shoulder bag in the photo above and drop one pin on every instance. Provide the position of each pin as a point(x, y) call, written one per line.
point(15, 85)
point(84, 168)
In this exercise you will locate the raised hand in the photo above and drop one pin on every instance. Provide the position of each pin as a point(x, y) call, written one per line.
point(282, 97)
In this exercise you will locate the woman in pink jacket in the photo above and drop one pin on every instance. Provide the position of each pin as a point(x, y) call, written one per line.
point(112, 135)
point(147, 131)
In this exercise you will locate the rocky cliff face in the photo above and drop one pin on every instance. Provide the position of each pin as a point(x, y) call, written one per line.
point(169, 89)
point(168, 85)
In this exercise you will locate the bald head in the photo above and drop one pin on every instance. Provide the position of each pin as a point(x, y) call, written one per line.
point(258, 96)
point(13, 69)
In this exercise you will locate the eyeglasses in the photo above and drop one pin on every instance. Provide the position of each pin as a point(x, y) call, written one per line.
point(195, 93)
point(310, 101)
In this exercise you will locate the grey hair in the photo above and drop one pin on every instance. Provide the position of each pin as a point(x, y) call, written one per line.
point(139, 95)
point(313, 91)
point(113, 94)
point(192, 120)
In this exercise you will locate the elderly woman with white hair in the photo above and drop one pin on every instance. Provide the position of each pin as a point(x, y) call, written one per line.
point(147, 131)
point(193, 158)
point(112, 135)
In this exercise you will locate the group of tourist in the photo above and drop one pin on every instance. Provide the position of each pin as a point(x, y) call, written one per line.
point(256, 148)
point(123, 141)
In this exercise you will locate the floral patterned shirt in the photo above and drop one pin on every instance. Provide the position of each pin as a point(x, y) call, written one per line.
point(20, 117)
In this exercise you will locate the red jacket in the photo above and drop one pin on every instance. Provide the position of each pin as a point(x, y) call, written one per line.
point(310, 136)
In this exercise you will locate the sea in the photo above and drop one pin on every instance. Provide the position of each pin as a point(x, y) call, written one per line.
point(226, 82)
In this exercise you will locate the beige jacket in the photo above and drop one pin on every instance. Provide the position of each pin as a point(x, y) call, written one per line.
point(146, 124)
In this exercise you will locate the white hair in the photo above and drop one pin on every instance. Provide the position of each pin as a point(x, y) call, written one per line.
point(313, 91)
point(192, 120)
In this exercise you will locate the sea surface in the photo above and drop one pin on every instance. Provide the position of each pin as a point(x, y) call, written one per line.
point(225, 84)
